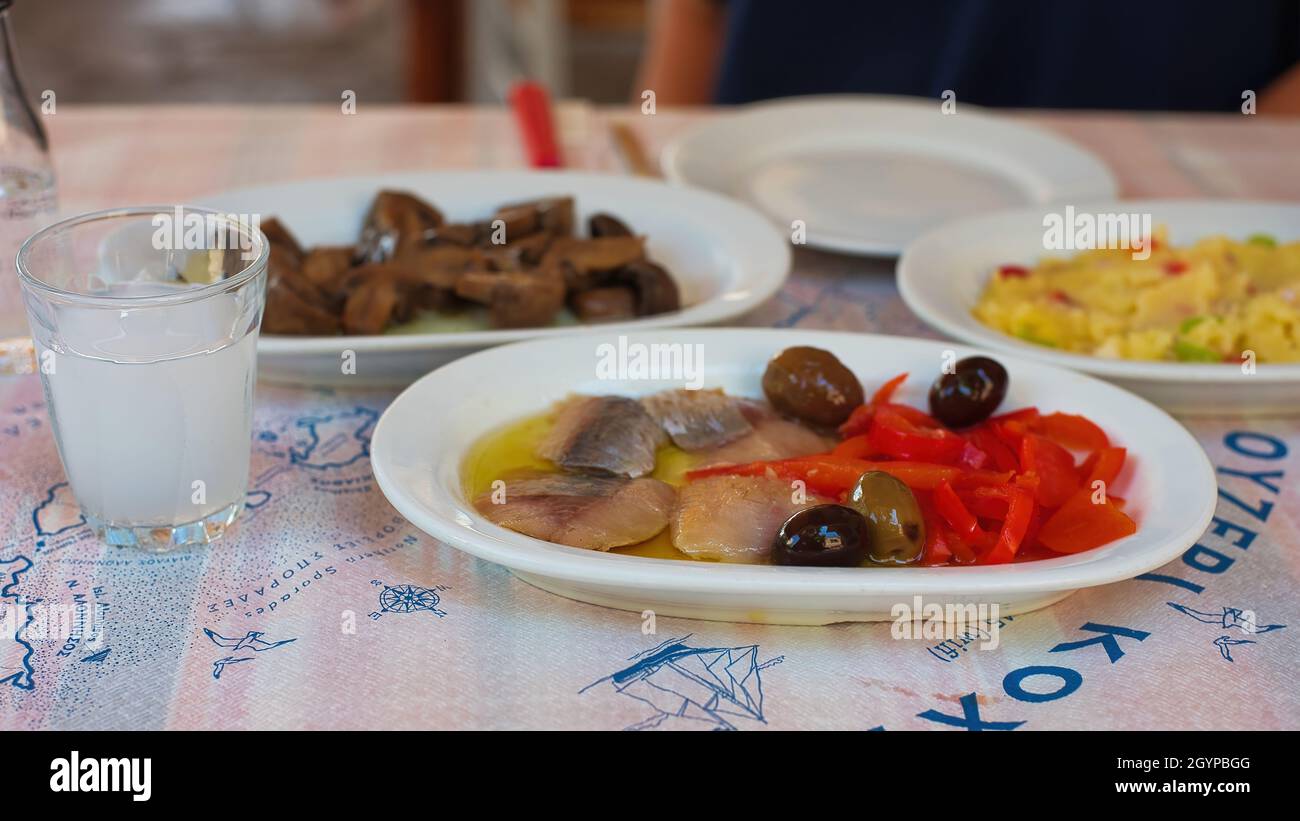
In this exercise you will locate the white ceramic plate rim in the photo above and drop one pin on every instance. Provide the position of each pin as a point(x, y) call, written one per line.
point(943, 316)
point(1092, 178)
point(462, 527)
point(754, 287)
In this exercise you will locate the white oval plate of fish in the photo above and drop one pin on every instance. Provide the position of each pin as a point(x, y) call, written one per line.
point(377, 279)
point(623, 456)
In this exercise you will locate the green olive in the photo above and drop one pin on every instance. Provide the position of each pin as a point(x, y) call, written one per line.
point(894, 521)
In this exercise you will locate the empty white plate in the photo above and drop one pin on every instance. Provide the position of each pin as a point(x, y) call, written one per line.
point(725, 258)
point(866, 175)
point(423, 438)
point(943, 273)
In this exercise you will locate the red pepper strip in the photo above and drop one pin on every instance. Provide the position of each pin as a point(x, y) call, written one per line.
point(1035, 525)
point(936, 551)
point(838, 475)
point(885, 392)
point(1080, 525)
point(855, 447)
point(859, 420)
point(1054, 467)
point(1029, 481)
point(1089, 462)
point(986, 502)
point(1000, 456)
point(950, 507)
point(980, 478)
point(1072, 431)
point(893, 434)
point(1020, 511)
point(916, 475)
point(1028, 415)
point(1010, 432)
point(831, 477)
point(916, 416)
point(961, 551)
point(942, 545)
point(1105, 465)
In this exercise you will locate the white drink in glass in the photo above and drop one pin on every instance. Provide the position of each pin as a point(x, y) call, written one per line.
point(150, 408)
point(145, 338)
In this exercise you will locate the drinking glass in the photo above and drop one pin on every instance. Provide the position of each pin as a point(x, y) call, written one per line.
point(145, 326)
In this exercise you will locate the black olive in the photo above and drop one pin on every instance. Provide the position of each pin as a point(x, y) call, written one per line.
point(822, 536)
point(970, 393)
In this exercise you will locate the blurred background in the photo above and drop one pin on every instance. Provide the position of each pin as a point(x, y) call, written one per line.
point(387, 51)
point(1179, 55)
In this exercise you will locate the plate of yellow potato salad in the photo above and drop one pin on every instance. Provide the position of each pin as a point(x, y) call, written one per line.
point(1193, 304)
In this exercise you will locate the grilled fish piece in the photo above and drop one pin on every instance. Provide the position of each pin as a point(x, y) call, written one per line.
point(591, 512)
point(733, 518)
point(603, 434)
point(696, 420)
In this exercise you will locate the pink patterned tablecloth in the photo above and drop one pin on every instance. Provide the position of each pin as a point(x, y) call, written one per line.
point(319, 547)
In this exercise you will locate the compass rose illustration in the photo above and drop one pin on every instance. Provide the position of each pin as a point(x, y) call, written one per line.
point(407, 598)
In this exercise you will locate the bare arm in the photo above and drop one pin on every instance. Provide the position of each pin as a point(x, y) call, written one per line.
point(682, 52)
point(1282, 97)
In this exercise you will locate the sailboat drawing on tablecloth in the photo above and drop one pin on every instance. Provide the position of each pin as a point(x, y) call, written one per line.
point(708, 688)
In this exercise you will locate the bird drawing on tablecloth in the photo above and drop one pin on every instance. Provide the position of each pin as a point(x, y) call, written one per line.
point(220, 664)
point(252, 640)
point(1223, 643)
point(1228, 618)
point(1243, 620)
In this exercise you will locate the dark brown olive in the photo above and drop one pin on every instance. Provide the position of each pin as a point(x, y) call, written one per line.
point(822, 536)
point(970, 393)
point(812, 385)
point(605, 225)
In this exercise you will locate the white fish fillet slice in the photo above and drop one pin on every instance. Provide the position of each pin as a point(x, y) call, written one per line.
point(696, 420)
point(592, 512)
point(733, 518)
point(771, 438)
point(603, 434)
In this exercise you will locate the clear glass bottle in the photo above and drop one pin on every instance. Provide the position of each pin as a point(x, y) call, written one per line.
point(28, 200)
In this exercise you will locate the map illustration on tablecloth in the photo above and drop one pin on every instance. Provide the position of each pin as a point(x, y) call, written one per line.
point(16, 653)
point(334, 440)
point(57, 513)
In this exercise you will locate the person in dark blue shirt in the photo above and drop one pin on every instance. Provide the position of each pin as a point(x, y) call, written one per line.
point(1174, 55)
